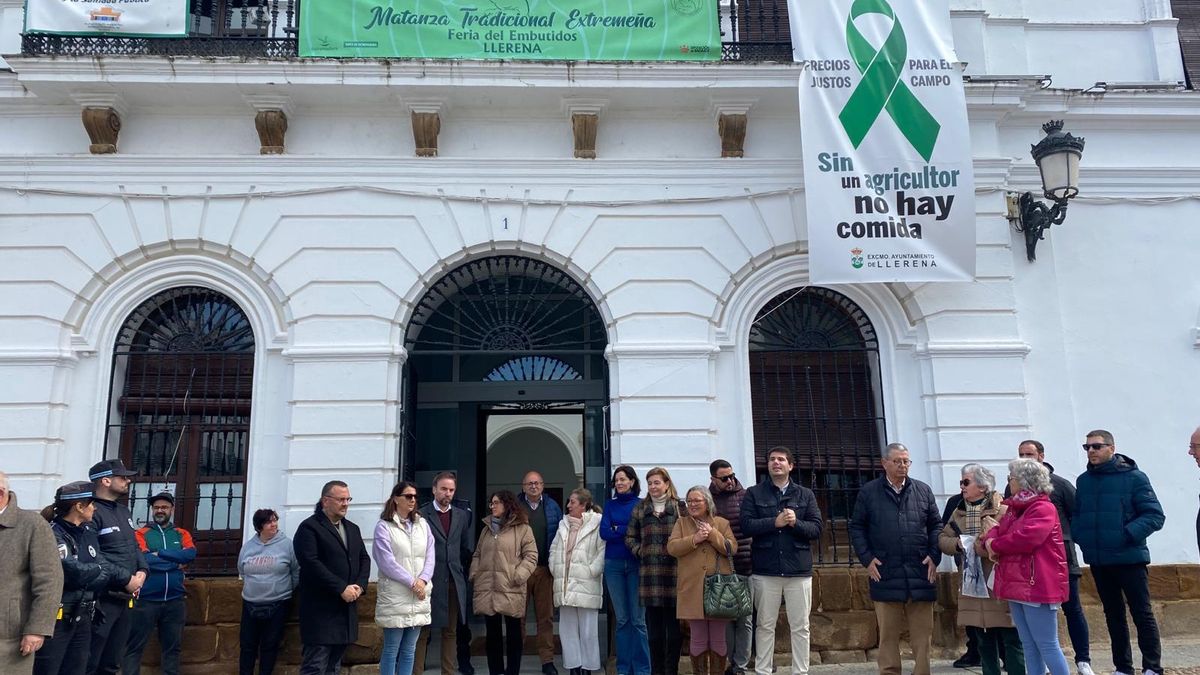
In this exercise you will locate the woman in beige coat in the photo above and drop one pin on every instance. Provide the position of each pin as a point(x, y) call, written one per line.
point(504, 559)
point(980, 509)
point(700, 542)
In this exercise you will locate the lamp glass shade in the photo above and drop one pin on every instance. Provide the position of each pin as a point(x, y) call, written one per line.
point(1060, 174)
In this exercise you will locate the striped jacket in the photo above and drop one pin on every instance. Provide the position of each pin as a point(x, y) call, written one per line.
point(646, 538)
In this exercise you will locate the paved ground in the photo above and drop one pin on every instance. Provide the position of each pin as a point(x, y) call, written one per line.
point(1179, 658)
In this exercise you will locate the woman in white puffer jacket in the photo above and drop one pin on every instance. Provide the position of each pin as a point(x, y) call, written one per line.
point(577, 564)
point(404, 554)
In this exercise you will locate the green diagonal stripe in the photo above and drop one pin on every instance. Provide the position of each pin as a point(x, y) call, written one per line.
point(881, 87)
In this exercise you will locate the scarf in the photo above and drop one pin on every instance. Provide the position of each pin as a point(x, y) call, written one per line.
point(494, 523)
point(659, 505)
point(973, 521)
point(574, 525)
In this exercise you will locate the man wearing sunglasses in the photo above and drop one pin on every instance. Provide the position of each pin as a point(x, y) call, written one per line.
point(1116, 510)
point(727, 493)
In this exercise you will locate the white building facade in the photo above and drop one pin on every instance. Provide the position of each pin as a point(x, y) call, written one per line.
point(668, 264)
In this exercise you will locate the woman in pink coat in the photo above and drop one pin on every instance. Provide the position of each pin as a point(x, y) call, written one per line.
point(1031, 564)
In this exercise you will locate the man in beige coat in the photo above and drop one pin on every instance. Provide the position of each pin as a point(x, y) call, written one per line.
point(31, 578)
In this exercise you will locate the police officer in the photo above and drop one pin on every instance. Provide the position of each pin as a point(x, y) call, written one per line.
point(119, 547)
point(85, 574)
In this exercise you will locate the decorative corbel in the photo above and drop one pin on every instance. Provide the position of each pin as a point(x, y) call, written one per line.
point(101, 117)
point(584, 114)
point(270, 120)
point(426, 124)
point(732, 118)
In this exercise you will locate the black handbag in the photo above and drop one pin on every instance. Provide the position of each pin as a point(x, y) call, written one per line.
point(727, 596)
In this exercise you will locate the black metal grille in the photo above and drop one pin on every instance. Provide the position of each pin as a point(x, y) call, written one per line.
point(751, 30)
point(815, 388)
point(506, 304)
point(180, 415)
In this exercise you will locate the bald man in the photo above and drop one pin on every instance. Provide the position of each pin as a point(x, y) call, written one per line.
point(544, 516)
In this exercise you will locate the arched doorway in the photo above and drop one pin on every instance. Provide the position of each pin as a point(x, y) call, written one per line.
point(815, 387)
point(504, 340)
point(179, 413)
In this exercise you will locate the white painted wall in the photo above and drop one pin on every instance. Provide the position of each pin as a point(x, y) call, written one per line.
point(327, 247)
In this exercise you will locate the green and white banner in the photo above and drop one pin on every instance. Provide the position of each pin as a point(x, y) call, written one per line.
point(127, 18)
point(597, 30)
point(888, 178)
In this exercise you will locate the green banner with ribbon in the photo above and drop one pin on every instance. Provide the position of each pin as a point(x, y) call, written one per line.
point(594, 30)
point(889, 181)
point(881, 87)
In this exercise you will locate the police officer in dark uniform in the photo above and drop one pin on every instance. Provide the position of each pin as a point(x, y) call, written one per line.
point(119, 548)
point(85, 574)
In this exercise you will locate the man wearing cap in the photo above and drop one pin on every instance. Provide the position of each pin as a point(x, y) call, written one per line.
point(161, 603)
point(30, 583)
point(118, 546)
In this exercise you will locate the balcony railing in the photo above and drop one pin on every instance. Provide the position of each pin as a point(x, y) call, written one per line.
point(751, 30)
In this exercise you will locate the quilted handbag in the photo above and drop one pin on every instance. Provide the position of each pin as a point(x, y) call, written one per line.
point(727, 596)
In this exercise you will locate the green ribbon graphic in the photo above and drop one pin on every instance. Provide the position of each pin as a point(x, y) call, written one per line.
point(881, 87)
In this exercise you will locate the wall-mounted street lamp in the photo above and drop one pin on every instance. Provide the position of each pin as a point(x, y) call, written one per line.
point(1057, 156)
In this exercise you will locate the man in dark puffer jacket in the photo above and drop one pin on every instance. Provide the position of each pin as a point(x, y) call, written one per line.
point(1115, 511)
point(895, 535)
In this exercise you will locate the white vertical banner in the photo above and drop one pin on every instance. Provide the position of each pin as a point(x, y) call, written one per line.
point(888, 178)
point(129, 18)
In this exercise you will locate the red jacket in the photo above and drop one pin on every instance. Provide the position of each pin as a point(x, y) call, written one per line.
point(1028, 542)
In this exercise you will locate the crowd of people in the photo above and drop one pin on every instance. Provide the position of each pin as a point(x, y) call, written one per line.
point(91, 588)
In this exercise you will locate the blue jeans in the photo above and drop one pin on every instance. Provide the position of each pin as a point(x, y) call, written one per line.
point(399, 650)
point(633, 647)
point(1077, 625)
point(1038, 628)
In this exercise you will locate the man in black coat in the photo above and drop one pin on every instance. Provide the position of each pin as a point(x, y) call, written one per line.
point(118, 545)
point(895, 535)
point(454, 544)
point(782, 518)
point(334, 567)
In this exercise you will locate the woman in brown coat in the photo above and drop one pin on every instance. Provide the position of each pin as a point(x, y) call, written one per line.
point(979, 511)
point(504, 559)
point(699, 541)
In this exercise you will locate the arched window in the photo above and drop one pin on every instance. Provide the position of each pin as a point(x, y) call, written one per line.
point(179, 414)
point(815, 388)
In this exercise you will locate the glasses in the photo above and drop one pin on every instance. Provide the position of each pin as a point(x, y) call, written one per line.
point(728, 479)
point(1191, 446)
point(345, 500)
point(496, 502)
point(964, 482)
point(409, 496)
point(1095, 446)
point(902, 462)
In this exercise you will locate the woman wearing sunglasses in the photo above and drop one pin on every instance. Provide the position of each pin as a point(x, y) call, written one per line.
point(404, 553)
point(978, 512)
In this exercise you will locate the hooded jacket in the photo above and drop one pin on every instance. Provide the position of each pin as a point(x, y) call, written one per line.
point(1116, 510)
point(729, 507)
point(269, 570)
point(1032, 563)
point(166, 548)
point(580, 583)
point(502, 563)
point(1063, 498)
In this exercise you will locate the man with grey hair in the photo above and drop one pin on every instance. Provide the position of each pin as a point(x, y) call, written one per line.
point(31, 579)
point(895, 530)
point(1063, 498)
point(1116, 510)
point(782, 519)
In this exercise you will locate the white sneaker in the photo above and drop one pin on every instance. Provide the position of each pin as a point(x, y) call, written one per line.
point(1117, 672)
point(1084, 668)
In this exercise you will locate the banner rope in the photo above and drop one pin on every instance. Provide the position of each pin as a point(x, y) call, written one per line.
point(477, 199)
